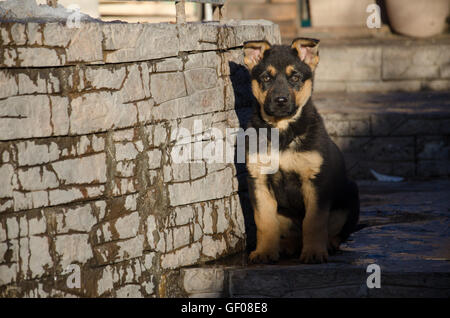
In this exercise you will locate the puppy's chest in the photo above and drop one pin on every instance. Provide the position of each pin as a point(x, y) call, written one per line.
point(305, 164)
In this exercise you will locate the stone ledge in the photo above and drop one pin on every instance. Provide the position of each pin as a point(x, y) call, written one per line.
point(383, 65)
point(113, 42)
point(404, 231)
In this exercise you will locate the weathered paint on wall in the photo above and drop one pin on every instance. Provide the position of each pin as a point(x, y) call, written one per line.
point(86, 123)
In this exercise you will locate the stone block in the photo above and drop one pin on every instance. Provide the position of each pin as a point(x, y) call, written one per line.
point(127, 226)
point(213, 247)
point(10, 57)
point(173, 64)
point(85, 44)
point(30, 200)
point(94, 112)
point(18, 34)
point(197, 37)
point(182, 257)
point(2, 232)
point(384, 86)
point(125, 169)
point(133, 88)
point(113, 252)
point(336, 127)
point(77, 219)
point(213, 186)
point(30, 86)
point(154, 159)
point(56, 34)
point(38, 57)
point(37, 178)
point(437, 85)
point(123, 135)
point(199, 79)
point(101, 77)
point(37, 225)
point(34, 34)
point(4, 36)
point(222, 216)
point(129, 291)
point(126, 151)
point(138, 42)
point(8, 273)
point(197, 170)
point(73, 248)
point(6, 175)
point(183, 215)
point(181, 236)
point(203, 280)
point(12, 228)
point(349, 63)
point(31, 111)
point(90, 169)
point(40, 261)
point(161, 92)
point(392, 148)
point(385, 124)
point(203, 60)
point(329, 86)
point(70, 194)
point(145, 108)
point(8, 84)
point(433, 147)
point(405, 63)
point(413, 126)
point(60, 115)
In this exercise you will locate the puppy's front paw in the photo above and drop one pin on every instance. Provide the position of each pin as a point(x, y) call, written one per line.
point(256, 257)
point(314, 255)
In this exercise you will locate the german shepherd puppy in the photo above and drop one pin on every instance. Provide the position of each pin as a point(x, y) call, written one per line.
point(309, 206)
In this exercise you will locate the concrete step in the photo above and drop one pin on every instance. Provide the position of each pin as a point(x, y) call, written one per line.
point(404, 230)
point(383, 63)
point(400, 134)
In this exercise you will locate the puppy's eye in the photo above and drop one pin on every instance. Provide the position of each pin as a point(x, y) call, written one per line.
point(295, 78)
point(266, 78)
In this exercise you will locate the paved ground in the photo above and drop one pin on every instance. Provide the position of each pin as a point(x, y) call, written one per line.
point(405, 231)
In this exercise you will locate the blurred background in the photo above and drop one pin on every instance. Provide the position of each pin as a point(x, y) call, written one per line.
point(320, 18)
point(383, 81)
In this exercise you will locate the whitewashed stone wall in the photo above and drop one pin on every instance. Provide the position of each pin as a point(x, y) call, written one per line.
point(86, 122)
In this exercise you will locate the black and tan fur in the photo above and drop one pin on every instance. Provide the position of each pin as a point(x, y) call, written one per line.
point(309, 206)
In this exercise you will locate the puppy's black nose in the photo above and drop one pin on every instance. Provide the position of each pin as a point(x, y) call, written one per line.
point(281, 100)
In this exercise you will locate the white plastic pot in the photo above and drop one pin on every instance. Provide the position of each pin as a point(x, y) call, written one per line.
point(418, 18)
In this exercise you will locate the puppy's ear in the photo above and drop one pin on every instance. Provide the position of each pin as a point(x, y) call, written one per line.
point(307, 50)
point(254, 52)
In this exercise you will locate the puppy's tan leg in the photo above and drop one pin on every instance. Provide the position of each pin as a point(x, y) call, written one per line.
point(315, 227)
point(267, 226)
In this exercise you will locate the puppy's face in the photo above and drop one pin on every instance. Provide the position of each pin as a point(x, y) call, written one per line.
point(281, 76)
